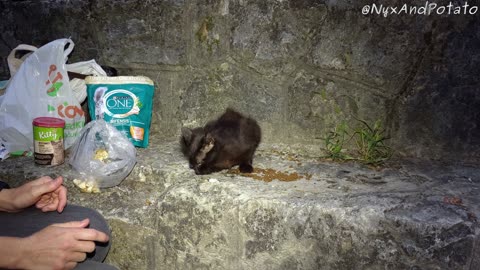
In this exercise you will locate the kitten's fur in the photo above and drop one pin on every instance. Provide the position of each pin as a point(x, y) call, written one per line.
point(221, 144)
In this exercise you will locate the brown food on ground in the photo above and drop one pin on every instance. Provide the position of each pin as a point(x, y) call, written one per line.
point(453, 200)
point(269, 175)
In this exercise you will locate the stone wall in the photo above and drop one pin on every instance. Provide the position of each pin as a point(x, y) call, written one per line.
point(299, 67)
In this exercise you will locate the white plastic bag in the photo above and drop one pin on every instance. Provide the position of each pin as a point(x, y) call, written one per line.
point(102, 155)
point(13, 140)
point(77, 85)
point(41, 88)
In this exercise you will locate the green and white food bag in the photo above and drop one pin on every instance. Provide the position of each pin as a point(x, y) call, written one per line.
point(125, 102)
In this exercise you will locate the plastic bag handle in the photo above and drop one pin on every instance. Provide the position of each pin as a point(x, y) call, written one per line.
point(69, 48)
point(21, 47)
point(14, 62)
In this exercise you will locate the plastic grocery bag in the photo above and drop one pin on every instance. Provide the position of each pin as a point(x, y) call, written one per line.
point(77, 85)
point(41, 87)
point(102, 155)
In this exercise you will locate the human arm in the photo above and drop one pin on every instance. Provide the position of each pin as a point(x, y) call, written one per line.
point(58, 246)
point(45, 193)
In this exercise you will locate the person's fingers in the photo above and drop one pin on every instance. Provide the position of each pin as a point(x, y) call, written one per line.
point(62, 199)
point(70, 265)
point(48, 202)
point(40, 181)
point(91, 235)
point(59, 179)
point(77, 257)
point(50, 207)
point(47, 186)
point(74, 224)
point(44, 200)
point(84, 246)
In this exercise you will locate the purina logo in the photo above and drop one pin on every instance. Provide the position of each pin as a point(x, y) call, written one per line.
point(120, 103)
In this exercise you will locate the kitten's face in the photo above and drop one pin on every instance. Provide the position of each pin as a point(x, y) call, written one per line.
point(196, 145)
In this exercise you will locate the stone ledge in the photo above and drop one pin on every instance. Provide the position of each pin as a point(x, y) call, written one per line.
point(335, 216)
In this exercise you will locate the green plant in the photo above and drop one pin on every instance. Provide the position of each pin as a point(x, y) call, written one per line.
point(371, 143)
point(334, 143)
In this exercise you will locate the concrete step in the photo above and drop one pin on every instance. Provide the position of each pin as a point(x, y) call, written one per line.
point(314, 214)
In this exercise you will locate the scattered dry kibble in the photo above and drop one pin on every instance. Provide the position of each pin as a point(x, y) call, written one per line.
point(269, 175)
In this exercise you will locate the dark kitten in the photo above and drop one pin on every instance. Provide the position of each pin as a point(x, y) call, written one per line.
point(221, 144)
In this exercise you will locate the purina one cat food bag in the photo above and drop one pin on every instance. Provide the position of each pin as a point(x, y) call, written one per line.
point(123, 101)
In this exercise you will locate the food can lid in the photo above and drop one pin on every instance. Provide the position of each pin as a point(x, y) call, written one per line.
point(49, 122)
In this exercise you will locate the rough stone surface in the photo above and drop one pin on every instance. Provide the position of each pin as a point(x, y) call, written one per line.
point(410, 214)
point(300, 67)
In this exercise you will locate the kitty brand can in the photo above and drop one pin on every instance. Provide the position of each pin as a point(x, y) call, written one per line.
point(48, 141)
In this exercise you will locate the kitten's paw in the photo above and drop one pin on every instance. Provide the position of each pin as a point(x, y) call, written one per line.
point(245, 168)
point(203, 170)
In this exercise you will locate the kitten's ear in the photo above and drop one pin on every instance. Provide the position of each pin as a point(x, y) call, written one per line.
point(186, 134)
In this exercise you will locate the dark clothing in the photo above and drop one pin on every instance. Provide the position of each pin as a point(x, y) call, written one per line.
point(3, 185)
point(31, 220)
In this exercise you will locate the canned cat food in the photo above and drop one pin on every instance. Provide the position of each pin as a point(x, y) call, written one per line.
point(48, 141)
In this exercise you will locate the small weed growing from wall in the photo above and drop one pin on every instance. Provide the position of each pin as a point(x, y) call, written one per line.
point(369, 142)
point(205, 37)
point(335, 141)
point(205, 27)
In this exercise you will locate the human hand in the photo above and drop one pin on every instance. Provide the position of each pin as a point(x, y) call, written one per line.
point(46, 193)
point(60, 246)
